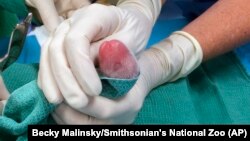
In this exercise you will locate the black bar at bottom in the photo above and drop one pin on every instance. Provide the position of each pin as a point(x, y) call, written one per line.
point(55, 132)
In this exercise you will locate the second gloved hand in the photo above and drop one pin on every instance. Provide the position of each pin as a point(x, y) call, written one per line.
point(171, 59)
point(50, 11)
point(67, 71)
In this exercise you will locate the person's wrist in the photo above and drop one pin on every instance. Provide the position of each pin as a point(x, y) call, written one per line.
point(152, 69)
point(173, 58)
point(169, 61)
point(192, 52)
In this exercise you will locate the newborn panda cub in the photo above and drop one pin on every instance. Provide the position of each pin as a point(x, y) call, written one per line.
point(116, 61)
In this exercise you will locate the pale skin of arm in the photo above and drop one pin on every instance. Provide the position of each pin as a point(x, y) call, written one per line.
point(223, 27)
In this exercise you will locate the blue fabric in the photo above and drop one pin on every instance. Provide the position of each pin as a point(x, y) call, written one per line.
point(243, 54)
point(31, 51)
point(163, 28)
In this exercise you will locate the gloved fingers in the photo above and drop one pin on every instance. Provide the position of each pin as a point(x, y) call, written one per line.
point(100, 107)
point(66, 8)
point(77, 47)
point(94, 51)
point(103, 114)
point(101, 110)
point(57, 119)
point(66, 115)
point(47, 11)
point(129, 36)
point(134, 33)
point(95, 22)
point(84, 30)
point(46, 80)
point(62, 72)
point(104, 108)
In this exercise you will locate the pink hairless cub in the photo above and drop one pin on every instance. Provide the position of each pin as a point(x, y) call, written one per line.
point(116, 61)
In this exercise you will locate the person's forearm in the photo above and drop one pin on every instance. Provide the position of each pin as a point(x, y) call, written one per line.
point(222, 27)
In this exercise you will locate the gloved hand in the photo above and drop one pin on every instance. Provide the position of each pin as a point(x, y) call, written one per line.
point(4, 94)
point(67, 68)
point(50, 11)
point(173, 58)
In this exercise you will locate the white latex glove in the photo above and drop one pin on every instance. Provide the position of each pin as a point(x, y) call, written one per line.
point(50, 11)
point(171, 59)
point(4, 95)
point(67, 68)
